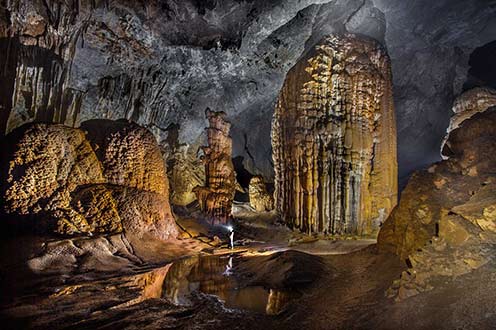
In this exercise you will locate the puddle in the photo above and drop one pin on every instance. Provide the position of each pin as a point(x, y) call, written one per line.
point(216, 275)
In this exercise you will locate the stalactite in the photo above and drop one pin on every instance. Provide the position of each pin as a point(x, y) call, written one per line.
point(217, 196)
point(334, 139)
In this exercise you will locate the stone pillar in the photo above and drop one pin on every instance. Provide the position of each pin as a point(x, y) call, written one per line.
point(334, 139)
point(217, 196)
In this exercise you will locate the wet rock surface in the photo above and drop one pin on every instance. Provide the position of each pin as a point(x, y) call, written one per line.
point(334, 139)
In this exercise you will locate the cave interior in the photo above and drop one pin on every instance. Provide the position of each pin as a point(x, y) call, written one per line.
point(247, 164)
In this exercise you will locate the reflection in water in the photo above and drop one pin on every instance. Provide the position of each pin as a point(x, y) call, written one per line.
point(278, 301)
point(229, 266)
point(213, 275)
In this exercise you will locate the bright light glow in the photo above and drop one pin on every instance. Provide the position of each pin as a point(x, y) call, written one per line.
point(230, 228)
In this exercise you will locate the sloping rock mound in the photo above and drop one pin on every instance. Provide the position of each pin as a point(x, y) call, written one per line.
point(284, 269)
point(54, 181)
point(145, 213)
point(334, 139)
point(445, 223)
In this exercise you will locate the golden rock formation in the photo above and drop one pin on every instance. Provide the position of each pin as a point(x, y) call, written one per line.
point(260, 199)
point(217, 196)
point(47, 163)
point(334, 139)
point(129, 154)
point(185, 173)
point(446, 216)
point(465, 106)
point(55, 176)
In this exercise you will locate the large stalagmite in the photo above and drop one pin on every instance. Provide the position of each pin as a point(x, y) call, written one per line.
point(217, 196)
point(334, 139)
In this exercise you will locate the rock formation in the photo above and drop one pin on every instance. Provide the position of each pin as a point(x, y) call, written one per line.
point(465, 106)
point(161, 62)
point(260, 199)
point(446, 221)
point(334, 139)
point(185, 169)
point(54, 177)
point(217, 196)
point(129, 154)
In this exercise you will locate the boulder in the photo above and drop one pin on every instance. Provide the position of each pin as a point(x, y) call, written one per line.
point(62, 180)
point(445, 221)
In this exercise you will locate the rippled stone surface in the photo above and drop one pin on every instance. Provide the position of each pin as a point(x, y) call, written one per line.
point(334, 139)
point(217, 196)
point(101, 179)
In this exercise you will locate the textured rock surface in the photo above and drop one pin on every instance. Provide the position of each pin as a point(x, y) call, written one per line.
point(445, 221)
point(98, 206)
point(466, 105)
point(260, 199)
point(185, 169)
point(44, 165)
point(217, 196)
point(53, 176)
point(145, 214)
point(433, 193)
point(334, 139)
point(186, 173)
point(162, 62)
point(129, 154)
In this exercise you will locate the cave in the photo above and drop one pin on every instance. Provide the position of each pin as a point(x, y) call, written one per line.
point(482, 68)
point(247, 164)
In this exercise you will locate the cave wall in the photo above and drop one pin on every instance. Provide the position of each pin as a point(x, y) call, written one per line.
point(334, 139)
point(160, 63)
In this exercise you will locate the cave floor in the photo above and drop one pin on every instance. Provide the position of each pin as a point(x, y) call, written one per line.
point(199, 283)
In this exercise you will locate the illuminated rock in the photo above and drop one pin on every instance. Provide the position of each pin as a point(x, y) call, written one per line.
point(129, 154)
point(260, 199)
point(186, 172)
point(217, 196)
point(446, 216)
point(465, 106)
point(334, 139)
point(460, 185)
point(46, 164)
point(54, 176)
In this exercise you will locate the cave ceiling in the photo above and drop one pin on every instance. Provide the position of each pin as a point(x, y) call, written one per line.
point(161, 63)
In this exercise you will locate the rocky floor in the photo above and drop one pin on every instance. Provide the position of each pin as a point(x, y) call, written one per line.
point(212, 287)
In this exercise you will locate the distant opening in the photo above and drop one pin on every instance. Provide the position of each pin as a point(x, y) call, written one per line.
point(243, 176)
point(482, 70)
